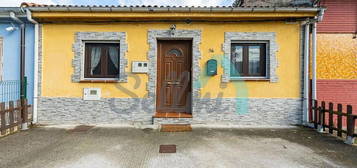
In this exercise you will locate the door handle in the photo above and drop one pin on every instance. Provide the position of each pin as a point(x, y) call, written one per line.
point(173, 83)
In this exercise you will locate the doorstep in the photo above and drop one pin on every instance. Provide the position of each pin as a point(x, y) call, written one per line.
point(173, 115)
point(176, 128)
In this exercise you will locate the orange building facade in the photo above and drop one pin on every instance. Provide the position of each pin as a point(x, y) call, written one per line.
point(337, 53)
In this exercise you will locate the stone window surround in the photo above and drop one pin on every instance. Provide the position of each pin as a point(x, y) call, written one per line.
point(271, 62)
point(79, 46)
point(153, 36)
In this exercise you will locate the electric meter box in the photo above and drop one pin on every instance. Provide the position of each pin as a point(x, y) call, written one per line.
point(139, 67)
point(91, 94)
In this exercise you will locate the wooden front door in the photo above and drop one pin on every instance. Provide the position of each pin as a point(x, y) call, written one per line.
point(174, 76)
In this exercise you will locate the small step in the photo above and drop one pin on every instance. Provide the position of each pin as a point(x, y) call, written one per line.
point(173, 115)
point(162, 121)
point(172, 118)
point(176, 128)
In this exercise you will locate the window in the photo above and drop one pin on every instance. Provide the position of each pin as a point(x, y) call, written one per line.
point(177, 52)
point(248, 60)
point(101, 60)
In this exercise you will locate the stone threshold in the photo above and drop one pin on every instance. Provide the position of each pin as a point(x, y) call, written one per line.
point(173, 115)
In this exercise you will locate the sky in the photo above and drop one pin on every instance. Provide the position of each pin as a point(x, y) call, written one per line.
point(16, 3)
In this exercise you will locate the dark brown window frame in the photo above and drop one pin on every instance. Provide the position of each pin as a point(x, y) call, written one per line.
point(104, 60)
point(263, 59)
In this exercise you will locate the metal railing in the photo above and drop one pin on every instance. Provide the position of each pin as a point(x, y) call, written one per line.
point(10, 90)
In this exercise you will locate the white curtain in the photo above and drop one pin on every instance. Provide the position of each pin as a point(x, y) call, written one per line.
point(113, 54)
point(95, 58)
point(254, 67)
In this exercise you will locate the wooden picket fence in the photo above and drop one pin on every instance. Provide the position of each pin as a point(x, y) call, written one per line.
point(11, 116)
point(324, 118)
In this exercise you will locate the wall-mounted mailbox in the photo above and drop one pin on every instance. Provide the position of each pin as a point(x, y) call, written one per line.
point(212, 67)
point(139, 67)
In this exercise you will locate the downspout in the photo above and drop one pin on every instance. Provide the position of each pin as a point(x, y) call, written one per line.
point(313, 64)
point(314, 55)
point(22, 59)
point(306, 74)
point(35, 91)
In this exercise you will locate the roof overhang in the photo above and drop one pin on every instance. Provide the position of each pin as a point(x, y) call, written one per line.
point(5, 12)
point(119, 13)
point(52, 8)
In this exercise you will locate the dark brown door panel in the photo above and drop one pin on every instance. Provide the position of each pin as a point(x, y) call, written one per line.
point(174, 76)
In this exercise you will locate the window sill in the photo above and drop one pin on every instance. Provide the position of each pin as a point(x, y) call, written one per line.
point(250, 79)
point(99, 81)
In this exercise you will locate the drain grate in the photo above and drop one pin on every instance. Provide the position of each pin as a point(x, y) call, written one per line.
point(167, 149)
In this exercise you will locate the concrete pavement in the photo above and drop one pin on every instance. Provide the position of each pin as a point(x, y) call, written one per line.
point(103, 147)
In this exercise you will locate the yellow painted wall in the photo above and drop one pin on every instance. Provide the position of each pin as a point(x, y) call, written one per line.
point(336, 56)
point(58, 55)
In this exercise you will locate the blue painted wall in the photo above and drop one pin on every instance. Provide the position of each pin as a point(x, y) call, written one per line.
point(11, 54)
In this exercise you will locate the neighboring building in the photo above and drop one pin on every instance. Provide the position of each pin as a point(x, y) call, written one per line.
point(337, 53)
point(10, 55)
point(202, 65)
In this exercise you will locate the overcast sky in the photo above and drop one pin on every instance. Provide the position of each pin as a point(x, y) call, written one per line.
point(16, 3)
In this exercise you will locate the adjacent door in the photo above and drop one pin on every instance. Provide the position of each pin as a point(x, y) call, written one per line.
point(174, 76)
